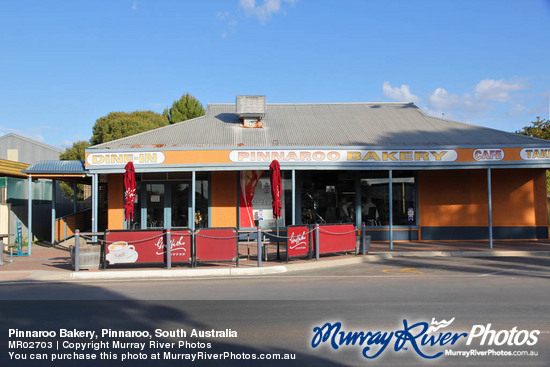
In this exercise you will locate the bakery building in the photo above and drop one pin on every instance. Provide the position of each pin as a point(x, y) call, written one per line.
point(406, 175)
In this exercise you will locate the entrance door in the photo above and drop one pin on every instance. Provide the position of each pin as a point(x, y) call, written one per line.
point(168, 204)
point(180, 204)
point(155, 205)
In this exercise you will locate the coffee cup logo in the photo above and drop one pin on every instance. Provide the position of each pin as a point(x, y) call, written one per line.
point(121, 249)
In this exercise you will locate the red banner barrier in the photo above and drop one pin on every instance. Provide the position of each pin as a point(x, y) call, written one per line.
point(337, 238)
point(127, 247)
point(180, 242)
point(298, 241)
point(216, 244)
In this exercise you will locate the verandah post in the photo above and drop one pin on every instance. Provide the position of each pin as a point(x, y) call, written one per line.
point(259, 247)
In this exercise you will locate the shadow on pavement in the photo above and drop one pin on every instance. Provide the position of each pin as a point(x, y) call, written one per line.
point(257, 334)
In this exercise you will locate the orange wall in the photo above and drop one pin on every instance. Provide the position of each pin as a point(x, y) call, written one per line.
point(519, 197)
point(541, 198)
point(224, 199)
point(115, 201)
point(459, 197)
point(452, 198)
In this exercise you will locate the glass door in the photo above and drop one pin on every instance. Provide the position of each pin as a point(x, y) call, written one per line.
point(155, 205)
point(168, 204)
point(180, 204)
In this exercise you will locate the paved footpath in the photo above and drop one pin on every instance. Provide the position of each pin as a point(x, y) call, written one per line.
point(54, 264)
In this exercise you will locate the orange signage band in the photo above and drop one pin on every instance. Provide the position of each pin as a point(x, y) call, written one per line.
point(237, 156)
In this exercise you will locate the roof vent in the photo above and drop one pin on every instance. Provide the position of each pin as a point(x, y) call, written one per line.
point(251, 110)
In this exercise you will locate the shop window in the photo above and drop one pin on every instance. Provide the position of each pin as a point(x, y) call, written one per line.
point(201, 200)
point(375, 206)
point(286, 200)
point(255, 207)
point(328, 197)
point(136, 221)
point(404, 198)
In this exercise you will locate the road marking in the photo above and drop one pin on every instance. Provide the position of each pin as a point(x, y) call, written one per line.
point(401, 271)
point(496, 272)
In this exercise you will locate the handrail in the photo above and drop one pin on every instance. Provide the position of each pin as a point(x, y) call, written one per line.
point(64, 231)
point(72, 214)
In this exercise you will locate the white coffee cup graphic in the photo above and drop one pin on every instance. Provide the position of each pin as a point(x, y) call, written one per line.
point(121, 249)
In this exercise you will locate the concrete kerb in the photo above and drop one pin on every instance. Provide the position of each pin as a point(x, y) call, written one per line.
point(176, 273)
point(493, 253)
point(278, 269)
point(225, 272)
point(40, 275)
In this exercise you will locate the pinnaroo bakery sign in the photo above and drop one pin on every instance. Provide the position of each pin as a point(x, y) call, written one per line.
point(317, 156)
point(325, 155)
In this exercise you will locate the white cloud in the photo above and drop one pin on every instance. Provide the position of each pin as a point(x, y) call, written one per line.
point(263, 12)
point(247, 4)
point(441, 100)
point(134, 5)
point(488, 94)
point(504, 104)
point(402, 94)
point(497, 90)
point(228, 19)
point(443, 103)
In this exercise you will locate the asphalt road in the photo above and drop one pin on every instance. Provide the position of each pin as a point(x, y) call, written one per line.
point(279, 313)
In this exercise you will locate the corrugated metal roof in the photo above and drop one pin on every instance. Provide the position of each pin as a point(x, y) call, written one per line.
point(57, 167)
point(19, 137)
point(330, 124)
point(11, 168)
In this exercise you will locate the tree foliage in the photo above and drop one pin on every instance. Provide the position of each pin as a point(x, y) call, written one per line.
point(76, 152)
point(118, 125)
point(538, 129)
point(187, 107)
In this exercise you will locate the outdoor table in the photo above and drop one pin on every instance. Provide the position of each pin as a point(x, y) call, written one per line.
point(264, 245)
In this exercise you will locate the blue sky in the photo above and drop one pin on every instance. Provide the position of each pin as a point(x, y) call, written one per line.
point(64, 64)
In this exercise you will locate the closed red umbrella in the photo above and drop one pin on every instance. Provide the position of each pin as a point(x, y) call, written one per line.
point(275, 178)
point(129, 190)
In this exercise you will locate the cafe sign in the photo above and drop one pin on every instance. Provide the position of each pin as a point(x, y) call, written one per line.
point(488, 155)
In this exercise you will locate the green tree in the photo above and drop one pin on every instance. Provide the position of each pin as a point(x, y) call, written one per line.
point(118, 125)
point(187, 107)
point(74, 153)
point(539, 129)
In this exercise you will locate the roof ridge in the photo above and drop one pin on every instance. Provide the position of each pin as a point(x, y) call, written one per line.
point(320, 103)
